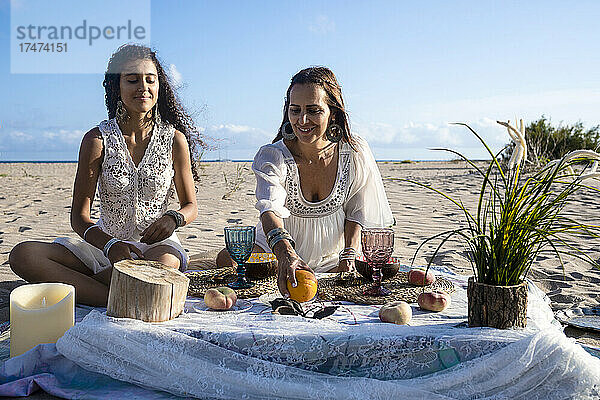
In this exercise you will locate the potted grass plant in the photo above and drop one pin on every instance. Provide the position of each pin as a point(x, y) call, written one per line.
point(516, 218)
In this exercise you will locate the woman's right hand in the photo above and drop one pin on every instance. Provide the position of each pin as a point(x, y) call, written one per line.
point(287, 264)
point(122, 251)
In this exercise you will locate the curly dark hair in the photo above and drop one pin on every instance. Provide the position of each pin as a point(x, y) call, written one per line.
point(325, 78)
point(169, 107)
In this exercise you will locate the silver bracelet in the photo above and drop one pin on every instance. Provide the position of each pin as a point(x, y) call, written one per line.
point(88, 229)
point(276, 235)
point(279, 238)
point(349, 253)
point(177, 216)
point(108, 245)
point(275, 231)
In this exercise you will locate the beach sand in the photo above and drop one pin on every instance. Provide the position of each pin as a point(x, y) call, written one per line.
point(35, 201)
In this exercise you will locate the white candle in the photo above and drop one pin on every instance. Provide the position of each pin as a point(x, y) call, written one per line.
point(40, 313)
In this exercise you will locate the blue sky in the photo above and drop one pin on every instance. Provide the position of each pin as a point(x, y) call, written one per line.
point(406, 68)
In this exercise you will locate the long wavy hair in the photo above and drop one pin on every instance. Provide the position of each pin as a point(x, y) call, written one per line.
point(169, 107)
point(325, 78)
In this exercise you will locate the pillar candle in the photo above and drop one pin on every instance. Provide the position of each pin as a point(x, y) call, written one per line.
point(40, 313)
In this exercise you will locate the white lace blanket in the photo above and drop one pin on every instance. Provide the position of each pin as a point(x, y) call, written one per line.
point(256, 355)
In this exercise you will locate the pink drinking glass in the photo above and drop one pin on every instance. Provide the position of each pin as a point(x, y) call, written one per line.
point(377, 248)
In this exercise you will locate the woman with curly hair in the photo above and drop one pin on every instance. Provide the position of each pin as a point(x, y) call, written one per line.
point(133, 159)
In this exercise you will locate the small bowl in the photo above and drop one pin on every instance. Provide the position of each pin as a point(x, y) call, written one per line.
point(388, 271)
point(261, 266)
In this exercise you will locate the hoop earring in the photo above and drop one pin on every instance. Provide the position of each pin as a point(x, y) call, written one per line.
point(334, 133)
point(122, 115)
point(285, 133)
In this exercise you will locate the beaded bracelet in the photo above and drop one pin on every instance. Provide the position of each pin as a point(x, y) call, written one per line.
point(177, 216)
point(274, 232)
point(276, 235)
point(108, 245)
point(349, 253)
point(273, 240)
point(281, 237)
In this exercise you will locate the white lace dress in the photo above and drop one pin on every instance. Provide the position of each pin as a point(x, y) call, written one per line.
point(318, 227)
point(131, 197)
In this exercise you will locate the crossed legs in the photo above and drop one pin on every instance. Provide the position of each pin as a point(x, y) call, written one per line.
point(51, 262)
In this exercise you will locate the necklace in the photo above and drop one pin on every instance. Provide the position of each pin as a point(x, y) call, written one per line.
point(322, 154)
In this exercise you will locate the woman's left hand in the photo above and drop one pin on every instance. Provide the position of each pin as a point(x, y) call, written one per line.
point(159, 230)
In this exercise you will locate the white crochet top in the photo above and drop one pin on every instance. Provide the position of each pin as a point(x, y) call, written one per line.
point(131, 197)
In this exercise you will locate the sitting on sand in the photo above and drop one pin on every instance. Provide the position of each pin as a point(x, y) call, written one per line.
point(133, 158)
point(316, 184)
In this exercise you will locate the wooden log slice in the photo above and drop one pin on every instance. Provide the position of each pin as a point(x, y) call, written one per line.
point(146, 290)
point(500, 307)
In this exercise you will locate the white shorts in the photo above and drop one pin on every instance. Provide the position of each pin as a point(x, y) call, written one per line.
point(94, 259)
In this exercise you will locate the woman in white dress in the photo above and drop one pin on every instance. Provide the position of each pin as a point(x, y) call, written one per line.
point(133, 158)
point(316, 184)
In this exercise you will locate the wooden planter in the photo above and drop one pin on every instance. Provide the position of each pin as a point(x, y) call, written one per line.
point(500, 307)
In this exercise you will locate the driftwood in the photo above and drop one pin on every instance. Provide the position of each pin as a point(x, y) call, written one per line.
point(146, 290)
point(500, 307)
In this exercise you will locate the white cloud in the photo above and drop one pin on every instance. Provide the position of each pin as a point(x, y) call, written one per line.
point(176, 77)
point(446, 137)
point(413, 134)
point(562, 105)
point(19, 135)
point(232, 128)
point(234, 141)
point(238, 136)
point(322, 25)
point(64, 136)
point(384, 133)
point(413, 139)
point(62, 140)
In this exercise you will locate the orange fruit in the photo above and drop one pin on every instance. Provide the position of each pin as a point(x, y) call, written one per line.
point(307, 286)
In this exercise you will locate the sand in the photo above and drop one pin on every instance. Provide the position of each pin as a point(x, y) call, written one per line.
point(35, 202)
